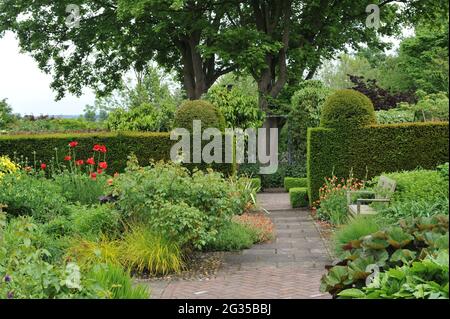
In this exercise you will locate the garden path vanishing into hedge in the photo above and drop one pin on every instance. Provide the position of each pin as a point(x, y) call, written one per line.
point(288, 268)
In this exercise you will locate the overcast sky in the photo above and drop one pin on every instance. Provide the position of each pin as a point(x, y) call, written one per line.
point(28, 89)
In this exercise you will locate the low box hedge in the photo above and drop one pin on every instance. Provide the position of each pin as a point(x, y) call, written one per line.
point(146, 146)
point(293, 182)
point(299, 197)
point(374, 150)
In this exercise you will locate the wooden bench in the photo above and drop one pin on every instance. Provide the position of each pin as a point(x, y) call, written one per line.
point(383, 192)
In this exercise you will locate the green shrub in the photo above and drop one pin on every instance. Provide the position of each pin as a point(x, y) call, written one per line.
point(395, 116)
point(357, 228)
point(180, 223)
point(208, 114)
point(347, 109)
point(275, 180)
point(144, 250)
point(443, 170)
point(299, 197)
point(95, 221)
point(239, 108)
point(433, 107)
point(414, 208)
point(24, 268)
point(306, 110)
point(34, 196)
point(188, 207)
point(233, 237)
point(143, 118)
point(81, 188)
point(374, 150)
point(112, 282)
point(293, 182)
point(419, 185)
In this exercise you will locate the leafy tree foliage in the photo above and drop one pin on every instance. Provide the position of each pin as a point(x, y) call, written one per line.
point(6, 115)
point(381, 98)
point(423, 60)
point(147, 105)
point(238, 101)
point(277, 42)
point(306, 112)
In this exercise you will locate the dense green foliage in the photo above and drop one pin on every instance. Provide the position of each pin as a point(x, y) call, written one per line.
point(28, 195)
point(188, 208)
point(6, 116)
point(146, 146)
point(374, 150)
point(209, 115)
point(233, 237)
point(144, 118)
point(305, 112)
point(410, 241)
point(347, 109)
point(240, 109)
point(45, 124)
point(419, 185)
point(148, 105)
point(293, 182)
point(425, 279)
point(299, 197)
point(356, 228)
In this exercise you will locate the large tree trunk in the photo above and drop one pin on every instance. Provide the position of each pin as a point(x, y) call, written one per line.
point(199, 73)
point(275, 76)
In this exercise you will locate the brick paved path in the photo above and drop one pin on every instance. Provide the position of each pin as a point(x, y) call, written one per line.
point(290, 267)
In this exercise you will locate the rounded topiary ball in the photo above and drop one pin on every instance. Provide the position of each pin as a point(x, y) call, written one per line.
point(347, 109)
point(208, 114)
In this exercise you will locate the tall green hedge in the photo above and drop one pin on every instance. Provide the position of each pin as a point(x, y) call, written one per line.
point(146, 146)
point(374, 150)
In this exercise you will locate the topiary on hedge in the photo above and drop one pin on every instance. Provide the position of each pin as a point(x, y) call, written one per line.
point(347, 109)
point(204, 111)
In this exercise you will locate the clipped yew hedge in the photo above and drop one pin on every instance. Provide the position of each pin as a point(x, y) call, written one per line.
point(374, 150)
point(146, 146)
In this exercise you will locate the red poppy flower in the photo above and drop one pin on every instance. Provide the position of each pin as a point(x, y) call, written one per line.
point(79, 162)
point(43, 166)
point(90, 161)
point(99, 171)
point(73, 144)
point(99, 148)
point(68, 158)
point(103, 165)
point(94, 176)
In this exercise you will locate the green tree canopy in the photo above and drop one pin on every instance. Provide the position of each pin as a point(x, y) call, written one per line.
point(278, 42)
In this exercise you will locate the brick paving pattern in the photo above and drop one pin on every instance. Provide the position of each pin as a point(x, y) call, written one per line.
point(288, 268)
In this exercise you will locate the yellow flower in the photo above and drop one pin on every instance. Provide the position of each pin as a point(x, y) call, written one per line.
point(7, 166)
